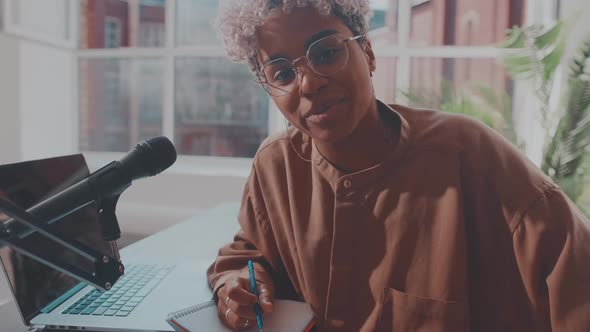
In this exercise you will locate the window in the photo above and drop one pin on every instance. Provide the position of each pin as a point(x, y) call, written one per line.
point(139, 79)
point(196, 30)
point(440, 54)
point(120, 102)
point(157, 67)
point(131, 23)
point(219, 109)
point(151, 34)
point(112, 32)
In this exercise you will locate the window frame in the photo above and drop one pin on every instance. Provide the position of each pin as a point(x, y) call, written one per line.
point(535, 12)
point(403, 52)
point(69, 41)
point(200, 165)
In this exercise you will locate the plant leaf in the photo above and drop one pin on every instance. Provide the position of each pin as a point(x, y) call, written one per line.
point(515, 39)
point(519, 65)
point(489, 96)
point(549, 37)
point(553, 59)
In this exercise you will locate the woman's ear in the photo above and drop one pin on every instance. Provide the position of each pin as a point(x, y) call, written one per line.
point(370, 55)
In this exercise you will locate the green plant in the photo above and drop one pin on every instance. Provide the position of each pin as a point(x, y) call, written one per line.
point(475, 100)
point(584, 200)
point(568, 147)
point(538, 51)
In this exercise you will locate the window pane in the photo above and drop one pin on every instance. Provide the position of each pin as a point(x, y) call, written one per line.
point(195, 26)
point(384, 79)
point(120, 103)
point(462, 22)
point(380, 11)
point(119, 23)
point(194, 23)
point(219, 109)
point(383, 26)
point(47, 18)
point(475, 87)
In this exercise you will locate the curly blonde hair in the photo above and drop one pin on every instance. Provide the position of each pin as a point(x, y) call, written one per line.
point(238, 20)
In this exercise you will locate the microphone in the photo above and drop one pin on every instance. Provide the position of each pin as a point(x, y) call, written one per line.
point(148, 158)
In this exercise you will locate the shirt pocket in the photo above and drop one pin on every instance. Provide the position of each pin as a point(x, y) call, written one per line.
point(404, 312)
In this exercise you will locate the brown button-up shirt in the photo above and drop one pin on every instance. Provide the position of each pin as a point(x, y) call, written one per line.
point(454, 231)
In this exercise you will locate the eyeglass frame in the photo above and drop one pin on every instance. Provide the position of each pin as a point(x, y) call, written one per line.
point(262, 77)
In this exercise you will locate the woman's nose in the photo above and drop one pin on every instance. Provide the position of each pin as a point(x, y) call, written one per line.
point(310, 82)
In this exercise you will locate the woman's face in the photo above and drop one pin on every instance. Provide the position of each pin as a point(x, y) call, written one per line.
point(327, 108)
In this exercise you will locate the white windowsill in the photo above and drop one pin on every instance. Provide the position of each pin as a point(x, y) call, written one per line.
point(184, 165)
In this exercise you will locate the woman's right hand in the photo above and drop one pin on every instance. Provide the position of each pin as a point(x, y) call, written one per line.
point(236, 302)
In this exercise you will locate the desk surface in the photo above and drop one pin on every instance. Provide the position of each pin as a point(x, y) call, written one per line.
point(199, 237)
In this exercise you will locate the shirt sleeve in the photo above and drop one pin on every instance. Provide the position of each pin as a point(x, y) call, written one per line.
point(254, 241)
point(552, 247)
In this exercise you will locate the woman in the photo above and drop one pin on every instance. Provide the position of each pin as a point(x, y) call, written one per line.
point(384, 217)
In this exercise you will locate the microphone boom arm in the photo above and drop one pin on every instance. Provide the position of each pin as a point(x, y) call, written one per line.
point(104, 187)
point(107, 269)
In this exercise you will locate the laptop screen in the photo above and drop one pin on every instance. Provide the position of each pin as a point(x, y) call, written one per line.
point(34, 284)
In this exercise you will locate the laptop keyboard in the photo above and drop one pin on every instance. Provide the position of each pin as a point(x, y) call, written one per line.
point(126, 294)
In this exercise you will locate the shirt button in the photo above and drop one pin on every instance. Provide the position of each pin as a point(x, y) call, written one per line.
point(347, 183)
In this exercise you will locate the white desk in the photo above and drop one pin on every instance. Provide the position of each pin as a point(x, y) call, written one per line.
point(199, 237)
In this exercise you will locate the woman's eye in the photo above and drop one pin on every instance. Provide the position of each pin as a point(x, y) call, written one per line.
point(327, 55)
point(284, 76)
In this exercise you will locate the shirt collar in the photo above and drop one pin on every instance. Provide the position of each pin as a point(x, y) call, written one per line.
point(334, 176)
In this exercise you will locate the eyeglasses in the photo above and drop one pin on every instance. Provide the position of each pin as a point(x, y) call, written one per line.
point(326, 56)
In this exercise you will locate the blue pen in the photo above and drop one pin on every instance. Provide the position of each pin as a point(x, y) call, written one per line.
point(255, 292)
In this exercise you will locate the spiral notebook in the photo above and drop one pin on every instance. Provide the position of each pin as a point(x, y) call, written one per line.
point(287, 316)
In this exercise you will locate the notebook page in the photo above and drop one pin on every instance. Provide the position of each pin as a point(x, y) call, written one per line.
point(287, 316)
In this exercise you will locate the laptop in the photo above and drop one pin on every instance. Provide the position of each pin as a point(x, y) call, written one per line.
point(139, 301)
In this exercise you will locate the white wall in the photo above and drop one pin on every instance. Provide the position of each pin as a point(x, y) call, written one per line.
point(152, 204)
point(46, 86)
point(10, 144)
point(35, 94)
point(35, 100)
point(9, 114)
point(2, 14)
point(43, 17)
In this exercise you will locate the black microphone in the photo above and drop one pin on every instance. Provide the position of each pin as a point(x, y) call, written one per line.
point(148, 158)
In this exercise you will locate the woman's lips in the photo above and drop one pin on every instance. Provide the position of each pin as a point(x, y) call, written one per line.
point(326, 115)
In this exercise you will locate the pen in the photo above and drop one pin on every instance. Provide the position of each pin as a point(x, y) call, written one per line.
point(255, 292)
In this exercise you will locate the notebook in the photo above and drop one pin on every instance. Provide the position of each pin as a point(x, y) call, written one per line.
point(287, 316)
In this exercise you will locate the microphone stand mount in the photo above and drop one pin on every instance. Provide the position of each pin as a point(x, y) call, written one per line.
point(107, 269)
